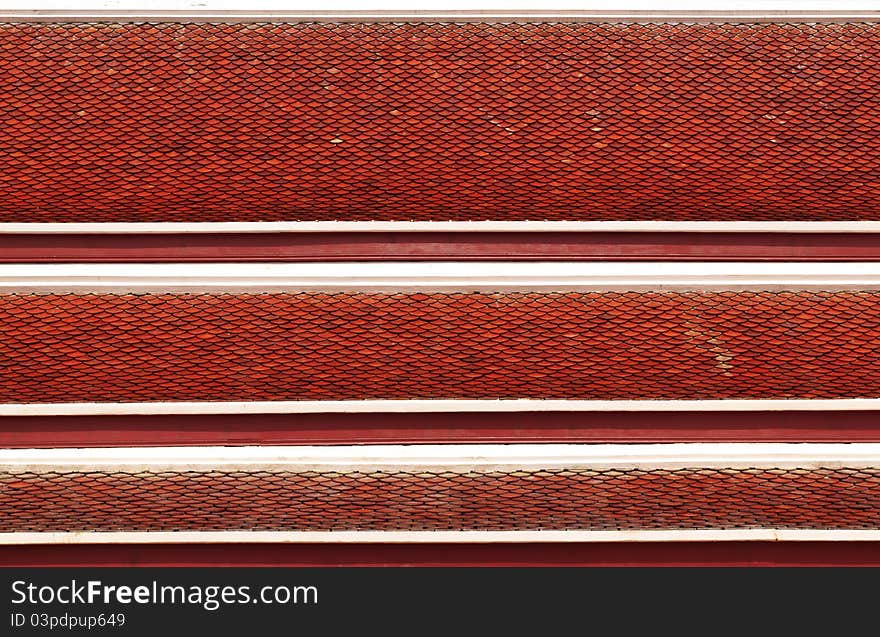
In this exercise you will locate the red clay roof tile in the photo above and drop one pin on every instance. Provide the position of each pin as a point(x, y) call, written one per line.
point(307, 346)
point(844, 498)
point(419, 121)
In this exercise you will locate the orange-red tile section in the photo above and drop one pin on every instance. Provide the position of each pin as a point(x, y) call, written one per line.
point(847, 498)
point(306, 346)
point(429, 121)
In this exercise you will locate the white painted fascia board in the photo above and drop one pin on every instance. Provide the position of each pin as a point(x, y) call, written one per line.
point(456, 458)
point(256, 227)
point(306, 6)
point(433, 406)
point(447, 276)
point(452, 11)
point(423, 537)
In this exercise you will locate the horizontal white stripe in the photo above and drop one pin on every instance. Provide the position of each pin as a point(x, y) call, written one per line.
point(450, 10)
point(675, 17)
point(436, 276)
point(448, 6)
point(437, 226)
point(430, 406)
point(423, 537)
point(447, 457)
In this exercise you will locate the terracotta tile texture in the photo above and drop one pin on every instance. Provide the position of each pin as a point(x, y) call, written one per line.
point(260, 122)
point(847, 498)
point(306, 346)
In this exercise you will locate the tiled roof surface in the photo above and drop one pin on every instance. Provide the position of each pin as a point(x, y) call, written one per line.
point(308, 346)
point(846, 498)
point(431, 121)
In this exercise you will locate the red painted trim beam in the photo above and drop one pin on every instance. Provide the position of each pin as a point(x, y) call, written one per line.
point(430, 246)
point(539, 554)
point(428, 428)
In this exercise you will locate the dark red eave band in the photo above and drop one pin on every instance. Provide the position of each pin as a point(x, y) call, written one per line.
point(438, 428)
point(513, 554)
point(429, 246)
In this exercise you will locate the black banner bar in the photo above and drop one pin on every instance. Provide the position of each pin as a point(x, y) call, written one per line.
point(415, 601)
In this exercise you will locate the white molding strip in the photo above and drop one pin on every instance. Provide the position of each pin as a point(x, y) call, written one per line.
point(415, 15)
point(424, 537)
point(458, 458)
point(446, 276)
point(207, 227)
point(431, 406)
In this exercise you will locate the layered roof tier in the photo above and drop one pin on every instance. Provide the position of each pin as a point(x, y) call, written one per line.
point(439, 121)
point(432, 345)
